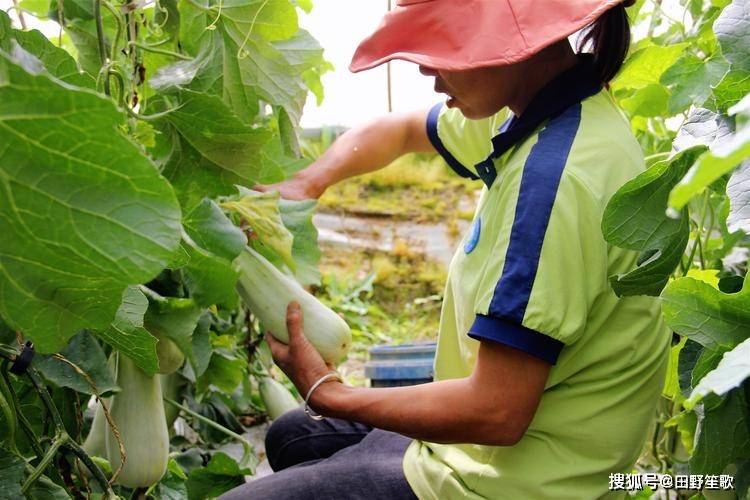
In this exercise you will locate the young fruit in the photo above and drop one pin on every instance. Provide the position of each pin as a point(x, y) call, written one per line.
point(267, 292)
point(138, 412)
point(170, 388)
point(170, 356)
point(276, 397)
point(96, 442)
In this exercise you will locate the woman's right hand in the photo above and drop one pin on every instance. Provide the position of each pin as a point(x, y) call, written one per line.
point(299, 187)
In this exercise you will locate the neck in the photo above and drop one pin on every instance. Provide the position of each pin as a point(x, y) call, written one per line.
point(536, 73)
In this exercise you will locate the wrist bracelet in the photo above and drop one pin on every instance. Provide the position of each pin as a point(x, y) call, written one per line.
point(310, 413)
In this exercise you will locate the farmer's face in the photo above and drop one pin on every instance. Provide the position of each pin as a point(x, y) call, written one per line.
point(478, 93)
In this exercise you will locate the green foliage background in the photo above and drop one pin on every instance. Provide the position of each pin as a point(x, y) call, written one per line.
point(685, 89)
point(122, 142)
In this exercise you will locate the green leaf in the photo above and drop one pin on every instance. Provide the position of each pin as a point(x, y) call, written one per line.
point(80, 220)
point(272, 61)
point(83, 35)
point(685, 422)
point(270, 19)
point(649, 101)
point(261, 212)
point(276, 164)
point(691, 79)
point(127, 334)
point(211, 279)
point(722, 437)
point(733, 369)
point(732, 29)
point(167, 17)
point(25, 59)
point(241, 98)
point(56, 60)
point(73, 9)
point(733, 87)
point(305, 56)
point(742, 108)
point(86, 354)
point(301, 51)
point(287, 132)
point(193, 22)
point(218, 135)
point(173, 485)
point(264, 69)
point(175, 319)
point(738, 191)
point(194, 177)
point(742, 485)
point(706, 315)
point(671, 388)
point(305, 5)
point(39, 8)
point(223, 372)
point(645, 66)
point(211, 229)
point(689, 356)
point(707, 362)
point(703, 127)
point(635, 218)
point(45, 489)
point(297, 217)
point(6, 30)
point(202, 345)
point(722, 158)
point(11, 474)
point(219, 476)
point(181, 74)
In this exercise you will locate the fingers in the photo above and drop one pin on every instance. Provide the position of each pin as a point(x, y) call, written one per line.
point(294, 322)
point(279, 350)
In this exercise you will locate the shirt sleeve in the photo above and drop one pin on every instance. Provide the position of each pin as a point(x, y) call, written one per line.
point(546, 269)
point(460, 141)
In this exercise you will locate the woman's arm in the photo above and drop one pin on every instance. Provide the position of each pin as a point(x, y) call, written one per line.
point(358, 151)
point(493, 406)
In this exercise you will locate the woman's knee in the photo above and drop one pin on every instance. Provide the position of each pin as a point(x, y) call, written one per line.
point(287, 427)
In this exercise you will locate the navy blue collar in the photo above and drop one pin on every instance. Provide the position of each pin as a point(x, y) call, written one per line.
point(569, 88)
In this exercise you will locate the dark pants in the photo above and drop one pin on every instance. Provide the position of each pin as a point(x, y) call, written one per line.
point(329, 459)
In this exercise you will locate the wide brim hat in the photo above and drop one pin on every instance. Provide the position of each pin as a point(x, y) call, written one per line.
point(458, 35)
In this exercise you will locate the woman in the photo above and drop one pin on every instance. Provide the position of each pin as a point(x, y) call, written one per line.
point(546, 382)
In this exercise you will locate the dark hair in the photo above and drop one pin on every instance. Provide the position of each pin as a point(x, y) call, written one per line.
point(610, 37)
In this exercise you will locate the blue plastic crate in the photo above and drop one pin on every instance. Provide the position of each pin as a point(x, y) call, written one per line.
point(400, 365)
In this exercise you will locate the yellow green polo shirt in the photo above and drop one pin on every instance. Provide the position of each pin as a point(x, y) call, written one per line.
point(532, 273)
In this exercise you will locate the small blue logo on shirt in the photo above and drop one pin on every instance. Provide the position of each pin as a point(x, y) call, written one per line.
point(475, 231)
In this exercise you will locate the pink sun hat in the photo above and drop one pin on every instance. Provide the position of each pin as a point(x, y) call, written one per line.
point(465, 34)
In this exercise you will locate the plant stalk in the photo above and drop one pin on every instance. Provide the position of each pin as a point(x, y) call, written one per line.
point(96, 472)
point(165, 52)
point(100, 40)
point(118, 33)
point(60, 440)
point(246, 445)
point(46, 399)
point(19, 11)
point(22, 420)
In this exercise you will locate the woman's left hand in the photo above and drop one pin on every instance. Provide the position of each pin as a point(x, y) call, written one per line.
point(298, 359)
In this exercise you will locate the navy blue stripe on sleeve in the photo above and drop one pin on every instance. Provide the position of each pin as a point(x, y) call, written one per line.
point(539, 183)
point(432, 134)
point(516, 336)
